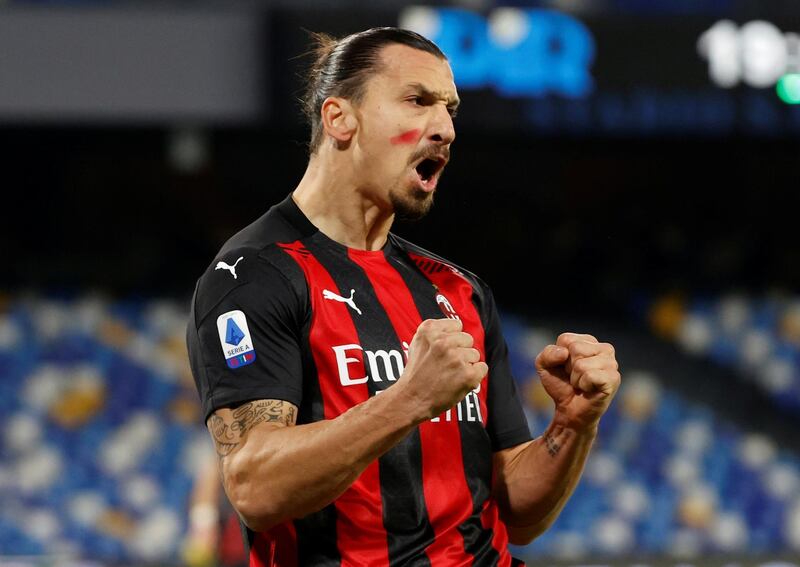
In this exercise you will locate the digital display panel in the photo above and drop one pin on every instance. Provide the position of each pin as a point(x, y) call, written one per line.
point(551, 72)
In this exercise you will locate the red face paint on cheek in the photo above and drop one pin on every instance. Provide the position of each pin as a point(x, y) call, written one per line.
point(410, 137)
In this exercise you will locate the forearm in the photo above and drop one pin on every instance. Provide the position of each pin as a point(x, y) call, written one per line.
point(536, 485)
point(293, 471)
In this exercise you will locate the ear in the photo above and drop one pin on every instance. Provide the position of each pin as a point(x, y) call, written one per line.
point(338, 119)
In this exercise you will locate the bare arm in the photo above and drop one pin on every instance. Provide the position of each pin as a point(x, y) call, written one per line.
point(534, 481)
point(273, 469)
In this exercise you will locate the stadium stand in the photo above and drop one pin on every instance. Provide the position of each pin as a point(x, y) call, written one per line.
point(101, 432)
point(100, 437)
point(759, 337)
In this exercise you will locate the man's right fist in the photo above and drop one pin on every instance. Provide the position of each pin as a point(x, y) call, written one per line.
point(442, 367)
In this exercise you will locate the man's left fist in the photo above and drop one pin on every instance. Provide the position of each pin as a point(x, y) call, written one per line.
point(581, 375)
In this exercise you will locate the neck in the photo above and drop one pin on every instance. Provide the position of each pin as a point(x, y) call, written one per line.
point(345, 212)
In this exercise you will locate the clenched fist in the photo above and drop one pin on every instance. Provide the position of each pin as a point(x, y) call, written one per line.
point(443, 366)
point(581, 375)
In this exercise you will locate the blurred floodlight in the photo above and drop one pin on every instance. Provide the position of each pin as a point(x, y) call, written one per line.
point(631, 501)
point(424, 21)
point(613, 535)
point(165, 318)
point(695, 334)
point(569, 546)
point(157, 535)
point(39, 470)
point(777, 375)
point(141, 493)
point(508, 27)
point(756, 451)
point(125, 449)
point(734, 313)
point(50, 319)
point(22, 432)
point(41, 524)
point(142, 349)
point(196, 453)
point(729, 532)
point(89, 312)
point(681, 470)
point(694, 437)
point(603, 468)
point(188, 150)
point(781, 481)
point(763, 50)
point(87, 507)
point(720, 46)
point(756, 347)
point(640, 395)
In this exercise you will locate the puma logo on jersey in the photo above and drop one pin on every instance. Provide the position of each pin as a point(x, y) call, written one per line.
point(348, 300)
point(232, 269)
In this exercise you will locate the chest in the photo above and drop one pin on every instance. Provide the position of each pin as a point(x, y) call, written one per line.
point(364, 311)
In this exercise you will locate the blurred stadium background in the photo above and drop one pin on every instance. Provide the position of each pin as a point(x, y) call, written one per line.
point(627, 168)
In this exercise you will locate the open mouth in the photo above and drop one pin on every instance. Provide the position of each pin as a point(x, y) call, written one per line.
point(428, 170)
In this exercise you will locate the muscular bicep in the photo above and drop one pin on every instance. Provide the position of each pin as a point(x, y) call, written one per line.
point(229, 427)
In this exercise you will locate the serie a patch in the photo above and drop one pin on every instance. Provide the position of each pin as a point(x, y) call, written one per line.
point(234, 336)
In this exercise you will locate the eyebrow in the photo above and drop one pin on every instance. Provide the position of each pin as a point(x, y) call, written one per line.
point(452, 102)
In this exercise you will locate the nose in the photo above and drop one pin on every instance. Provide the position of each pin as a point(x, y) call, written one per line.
point(442, 129)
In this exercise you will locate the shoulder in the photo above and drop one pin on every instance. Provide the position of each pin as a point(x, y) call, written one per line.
point(249, 275)
point(431, 264)
point(252, 267)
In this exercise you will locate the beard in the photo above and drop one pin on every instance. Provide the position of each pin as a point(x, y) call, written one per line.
point(411, 206)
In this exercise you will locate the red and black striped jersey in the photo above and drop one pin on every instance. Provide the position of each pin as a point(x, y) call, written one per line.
point(284, 312)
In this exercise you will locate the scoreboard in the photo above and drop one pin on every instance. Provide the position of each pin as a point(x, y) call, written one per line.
point(551, 72)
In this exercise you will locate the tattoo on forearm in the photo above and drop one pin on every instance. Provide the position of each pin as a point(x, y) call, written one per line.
point(553, 446)
point(229, 433)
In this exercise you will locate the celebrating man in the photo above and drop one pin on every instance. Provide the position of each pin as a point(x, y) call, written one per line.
point(326, 309)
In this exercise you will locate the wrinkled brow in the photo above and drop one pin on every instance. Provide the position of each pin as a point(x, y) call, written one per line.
point(425, 92)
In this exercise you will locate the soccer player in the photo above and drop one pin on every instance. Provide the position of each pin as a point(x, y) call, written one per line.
point(356, 386)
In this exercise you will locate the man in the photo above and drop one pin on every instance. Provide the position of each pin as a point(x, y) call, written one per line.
point(313, 310)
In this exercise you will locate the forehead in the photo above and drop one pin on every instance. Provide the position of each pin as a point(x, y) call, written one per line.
point(403, 65)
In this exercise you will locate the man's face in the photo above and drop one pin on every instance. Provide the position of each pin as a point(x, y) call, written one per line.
point(405, 129)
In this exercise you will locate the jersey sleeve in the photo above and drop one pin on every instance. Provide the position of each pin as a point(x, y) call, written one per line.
point(507, 425)
point(244, 335)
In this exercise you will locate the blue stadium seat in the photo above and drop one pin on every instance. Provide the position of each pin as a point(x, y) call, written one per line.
point(633, 453)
